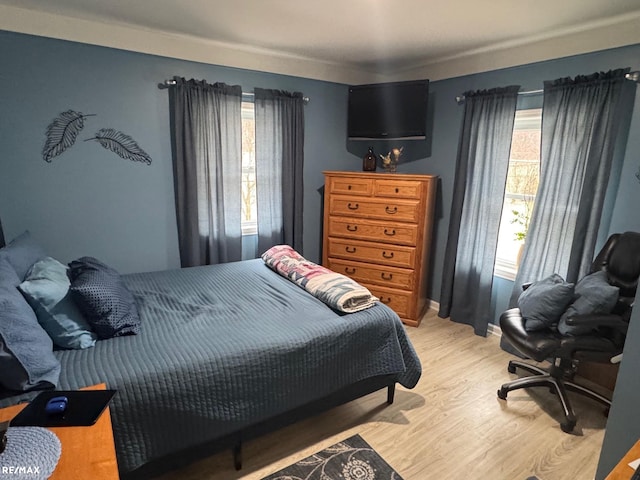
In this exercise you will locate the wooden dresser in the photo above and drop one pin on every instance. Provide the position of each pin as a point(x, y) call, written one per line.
point(377, 230)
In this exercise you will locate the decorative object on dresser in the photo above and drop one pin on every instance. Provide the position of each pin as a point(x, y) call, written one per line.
point(377, 230)
point(369, 161)
point(390, 160)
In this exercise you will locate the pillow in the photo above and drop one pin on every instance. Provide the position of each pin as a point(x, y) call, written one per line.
point(542, 304)
point(21, 253)
point(27, 361)
point(103, 298)
point(46, 288)
point(594, 294)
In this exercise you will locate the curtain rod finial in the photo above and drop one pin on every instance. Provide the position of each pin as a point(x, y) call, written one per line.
point(633, 76)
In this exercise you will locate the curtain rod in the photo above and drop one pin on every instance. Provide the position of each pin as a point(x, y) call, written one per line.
point(170, 83)
point(633, 76)
point(460, 98)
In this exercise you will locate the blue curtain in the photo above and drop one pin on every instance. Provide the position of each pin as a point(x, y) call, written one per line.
point(279, 167)
point(206, 127)
point(481, 175)
point(581, 118)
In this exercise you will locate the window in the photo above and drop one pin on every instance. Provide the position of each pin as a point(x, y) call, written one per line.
point(520, 193)
point(249, 210)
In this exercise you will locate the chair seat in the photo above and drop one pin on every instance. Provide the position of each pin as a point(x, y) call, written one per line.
point(544, 344)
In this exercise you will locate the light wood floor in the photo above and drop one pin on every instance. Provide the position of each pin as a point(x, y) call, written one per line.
point(450, 426)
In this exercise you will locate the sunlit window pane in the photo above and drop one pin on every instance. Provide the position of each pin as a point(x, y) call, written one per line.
point(522, 184)
point(249, 210)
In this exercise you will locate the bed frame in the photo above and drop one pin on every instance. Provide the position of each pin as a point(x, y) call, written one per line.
point(235, 440)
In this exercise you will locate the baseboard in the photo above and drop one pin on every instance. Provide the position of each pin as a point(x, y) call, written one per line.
point(492, 329)
point(433, 305)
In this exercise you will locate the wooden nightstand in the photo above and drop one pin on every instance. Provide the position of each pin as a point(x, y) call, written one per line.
point(623, 471)
point(87, 452)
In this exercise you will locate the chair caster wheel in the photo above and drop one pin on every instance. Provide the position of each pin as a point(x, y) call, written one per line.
point(568, 426)
point(511, 368)
point(502, 394)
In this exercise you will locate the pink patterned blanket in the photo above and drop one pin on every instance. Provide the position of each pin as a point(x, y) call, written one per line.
point(336, 290)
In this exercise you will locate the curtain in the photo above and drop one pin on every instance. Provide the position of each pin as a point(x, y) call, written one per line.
point(279, 167)
point(580, 121)
point(206, 127)
point(481, 175)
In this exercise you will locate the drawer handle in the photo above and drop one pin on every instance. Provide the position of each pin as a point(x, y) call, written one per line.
point(390, 233)
point(349, 270)
point(349, 187)
point(352, 228)
point(387, 255)
point(352, 207)
point(386, 276)
point(397, 190)
point(391, 211)
point(350, 249)
point(386, 300)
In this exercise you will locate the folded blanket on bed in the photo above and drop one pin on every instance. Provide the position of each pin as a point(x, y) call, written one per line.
point(334, 289)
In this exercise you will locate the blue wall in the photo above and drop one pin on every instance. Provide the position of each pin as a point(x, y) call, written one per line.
point(624, 195)
point(88, 201)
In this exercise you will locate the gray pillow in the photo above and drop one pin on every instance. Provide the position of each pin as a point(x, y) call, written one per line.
point(46, 288)
point(594, 294)
point(27, 361)
point(103, 298)
point(544, 302)
point(22, 252)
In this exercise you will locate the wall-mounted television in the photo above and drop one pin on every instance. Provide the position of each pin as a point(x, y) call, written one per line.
point(396, 110)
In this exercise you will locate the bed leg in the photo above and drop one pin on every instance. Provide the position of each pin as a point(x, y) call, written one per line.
point(237, 456)
point(391, 391)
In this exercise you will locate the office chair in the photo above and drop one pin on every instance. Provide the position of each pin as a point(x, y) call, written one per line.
point(597, 337)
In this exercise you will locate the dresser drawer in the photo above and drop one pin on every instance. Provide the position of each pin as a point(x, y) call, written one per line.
point(398, 188)
point(399, 301)
point(379, 253)
point(370, 273)
point(383, 209)
point(350, 186)
point(387, 232)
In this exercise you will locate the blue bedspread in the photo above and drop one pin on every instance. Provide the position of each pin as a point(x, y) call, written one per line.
point(225, 346)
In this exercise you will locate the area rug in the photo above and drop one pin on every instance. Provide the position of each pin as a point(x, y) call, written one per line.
point(351, 459)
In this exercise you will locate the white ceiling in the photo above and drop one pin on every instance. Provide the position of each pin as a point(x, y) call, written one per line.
point(339, 40)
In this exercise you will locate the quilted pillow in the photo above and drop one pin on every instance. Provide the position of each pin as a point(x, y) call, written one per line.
point(103, 298)
point(594, 294)
point(544, 302)
point(46, 288)
point(22, 252)
point(27, 361)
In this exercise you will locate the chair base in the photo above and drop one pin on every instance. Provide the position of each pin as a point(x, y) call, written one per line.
point(555, 380)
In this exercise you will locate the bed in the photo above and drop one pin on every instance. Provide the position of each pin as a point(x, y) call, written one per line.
point(228, 352)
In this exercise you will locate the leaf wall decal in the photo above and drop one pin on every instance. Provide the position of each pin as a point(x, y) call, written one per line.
point(122, 145)
point(62, 133)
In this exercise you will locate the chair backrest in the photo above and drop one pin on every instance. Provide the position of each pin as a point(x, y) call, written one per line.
point(620, 258)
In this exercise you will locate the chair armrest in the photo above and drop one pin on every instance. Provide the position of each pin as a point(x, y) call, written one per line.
point(595, 320)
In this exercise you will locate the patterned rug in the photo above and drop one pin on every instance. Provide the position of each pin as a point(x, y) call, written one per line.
point(351, 459)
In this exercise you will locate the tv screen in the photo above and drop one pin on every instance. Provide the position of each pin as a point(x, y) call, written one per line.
point(388, 110)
